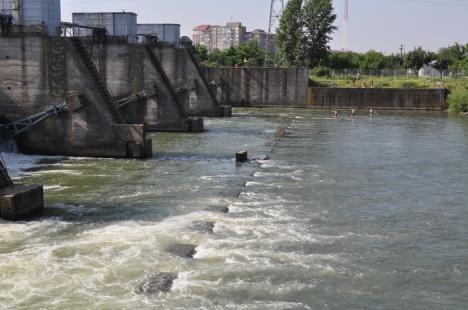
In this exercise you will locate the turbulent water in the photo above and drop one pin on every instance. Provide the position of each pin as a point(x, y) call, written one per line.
point(358, 213)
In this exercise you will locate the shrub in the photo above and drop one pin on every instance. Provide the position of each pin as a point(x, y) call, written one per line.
point(321, 71)
point(410, 84)
point(458, 100)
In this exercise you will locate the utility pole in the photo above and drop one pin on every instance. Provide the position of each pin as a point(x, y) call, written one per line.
point(276, 10)
point(402, 48)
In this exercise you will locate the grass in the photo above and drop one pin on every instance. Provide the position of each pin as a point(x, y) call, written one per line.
point(387, 82)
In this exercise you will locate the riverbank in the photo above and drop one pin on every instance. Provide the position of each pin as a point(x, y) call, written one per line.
point(457, 89)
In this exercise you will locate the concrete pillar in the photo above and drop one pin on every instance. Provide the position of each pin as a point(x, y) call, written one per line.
point(182, 68)
point(20, 202)
point(130, 68)
point(43, 71)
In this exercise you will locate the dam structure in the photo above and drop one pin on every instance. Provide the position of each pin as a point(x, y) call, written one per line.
point(136, 79)
point(43, 70)
point(184, 72)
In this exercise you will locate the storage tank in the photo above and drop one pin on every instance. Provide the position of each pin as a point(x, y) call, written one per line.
point(33, 13)
point(166, 32)
point(119, 24)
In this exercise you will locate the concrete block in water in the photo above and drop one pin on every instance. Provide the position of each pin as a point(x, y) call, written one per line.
point(140, 150)
point(19, 202)
point(196, 124)
point(226, 111)
point(242, 156)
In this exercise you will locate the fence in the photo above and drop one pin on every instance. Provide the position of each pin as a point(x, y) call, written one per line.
point(392, 73)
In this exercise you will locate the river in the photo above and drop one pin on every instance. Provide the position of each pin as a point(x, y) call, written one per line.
point(349, 213)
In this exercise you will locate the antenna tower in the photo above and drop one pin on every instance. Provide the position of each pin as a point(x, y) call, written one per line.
point(276, 10)
point(345, 25)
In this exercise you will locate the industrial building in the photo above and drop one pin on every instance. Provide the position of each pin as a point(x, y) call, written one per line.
point(168, 33)
point(32, 13)
point(117, 24)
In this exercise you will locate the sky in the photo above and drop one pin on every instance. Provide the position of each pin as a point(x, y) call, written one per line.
point(382, 25)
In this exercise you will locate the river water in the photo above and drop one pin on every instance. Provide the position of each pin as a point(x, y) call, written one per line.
point(358, 213)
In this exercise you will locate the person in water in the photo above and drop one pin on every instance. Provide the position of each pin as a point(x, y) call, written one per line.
point(353, 112)
point(336, 113)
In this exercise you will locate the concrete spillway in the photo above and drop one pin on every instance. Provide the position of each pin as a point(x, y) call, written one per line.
point(130, 69)
point(185, 74)
point(39, 72)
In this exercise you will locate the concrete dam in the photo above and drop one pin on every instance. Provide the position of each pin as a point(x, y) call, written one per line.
point(114, 91)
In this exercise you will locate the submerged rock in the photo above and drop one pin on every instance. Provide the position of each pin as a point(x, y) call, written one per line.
point(204, 227)
point(156, 282)
point(219, 209)
point(261, 158)
point(182, 250)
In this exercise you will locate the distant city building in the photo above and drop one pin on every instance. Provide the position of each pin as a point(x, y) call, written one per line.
point(169, 33)
point(215, 37)
point(261, 36)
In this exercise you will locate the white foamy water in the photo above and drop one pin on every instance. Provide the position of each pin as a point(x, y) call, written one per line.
point(345, 215)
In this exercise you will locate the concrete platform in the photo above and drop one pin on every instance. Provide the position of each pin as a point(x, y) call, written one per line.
point(226, 111)
point(20, 202)
point(196, 124)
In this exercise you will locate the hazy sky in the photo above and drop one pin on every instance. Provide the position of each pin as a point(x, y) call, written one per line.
point(382, 25)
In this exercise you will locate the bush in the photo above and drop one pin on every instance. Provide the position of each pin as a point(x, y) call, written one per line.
point(410, 84)
point(458, 100)
point(321, 71)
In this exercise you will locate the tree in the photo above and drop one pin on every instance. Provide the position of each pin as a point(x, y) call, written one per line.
point(373, 60)
point(201, 53)
point(417, 58)
point(343, 60)
point(318, 19)
point(289, 33)
point(450, 55)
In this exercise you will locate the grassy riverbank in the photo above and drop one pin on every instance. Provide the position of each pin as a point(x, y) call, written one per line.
point(458, 89)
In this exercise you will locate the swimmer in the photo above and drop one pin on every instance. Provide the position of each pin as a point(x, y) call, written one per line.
point(353, 112)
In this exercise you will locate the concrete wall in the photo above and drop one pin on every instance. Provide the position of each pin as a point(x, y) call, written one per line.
point(128, 69)
point(181, 68)
point(257, 87)
point(38, 73)
point(382, 98)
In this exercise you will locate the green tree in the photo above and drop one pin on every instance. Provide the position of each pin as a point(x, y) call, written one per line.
point(372, 60)
point(289, 33)
point(451, 55)
point(317, 21)
point(201, 53)
point(417, 58)
point(344, 60)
